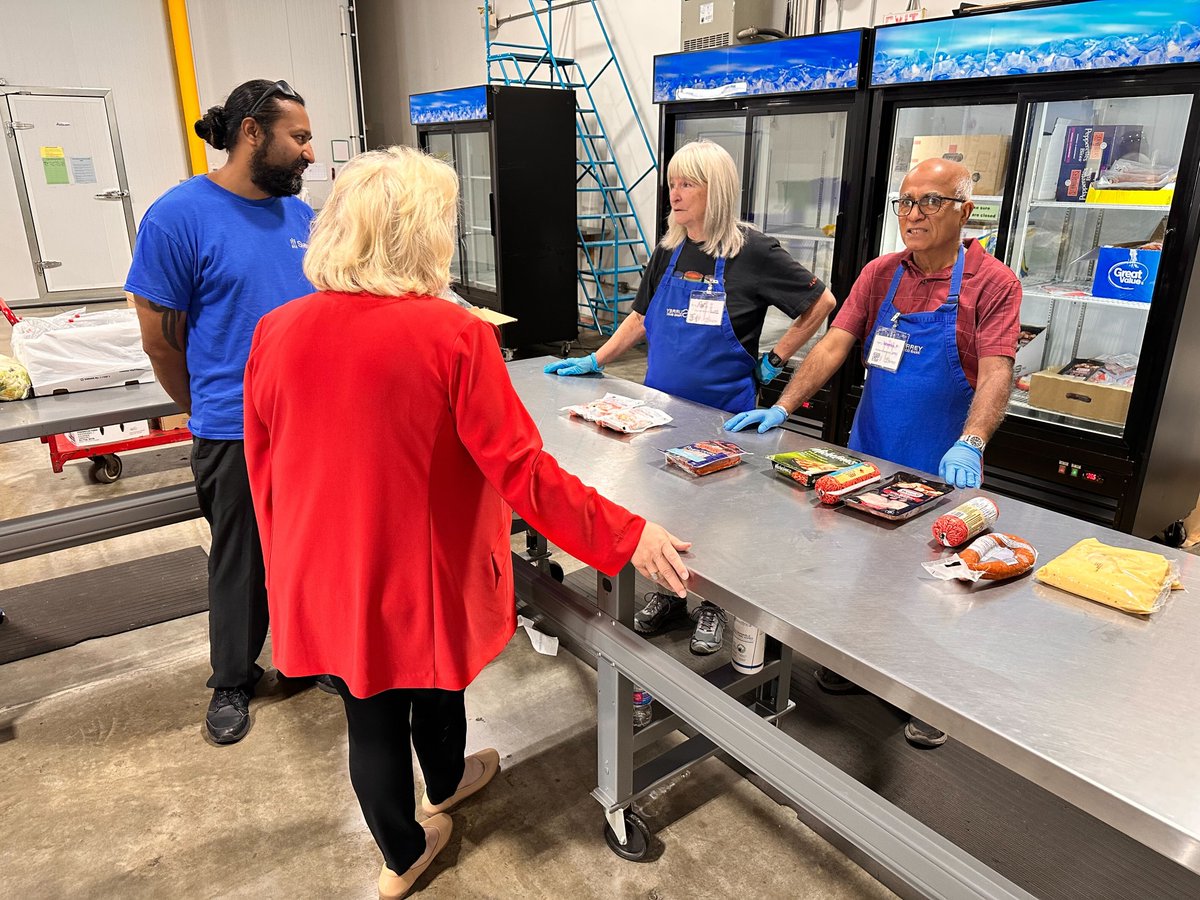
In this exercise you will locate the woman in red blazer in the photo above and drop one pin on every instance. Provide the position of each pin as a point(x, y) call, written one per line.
point(385, 447)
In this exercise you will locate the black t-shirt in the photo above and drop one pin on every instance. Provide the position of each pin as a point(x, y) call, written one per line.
point(763, 274)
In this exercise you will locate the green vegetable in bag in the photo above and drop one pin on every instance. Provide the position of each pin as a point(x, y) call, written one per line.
point(14, 379)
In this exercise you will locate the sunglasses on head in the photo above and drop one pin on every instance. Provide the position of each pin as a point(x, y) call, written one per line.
point(278, 89)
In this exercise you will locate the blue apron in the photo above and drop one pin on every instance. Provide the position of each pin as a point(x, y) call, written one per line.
point(914, 415)
point(705, 363)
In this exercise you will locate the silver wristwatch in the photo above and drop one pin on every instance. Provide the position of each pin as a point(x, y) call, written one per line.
point(973, 440)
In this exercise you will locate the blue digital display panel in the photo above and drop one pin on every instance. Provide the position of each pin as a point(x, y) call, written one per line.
point(819, 62)
point(1099, 34)
point(459, 105)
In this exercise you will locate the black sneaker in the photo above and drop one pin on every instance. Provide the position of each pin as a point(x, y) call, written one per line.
point(709, 636)
point(325, 683)
point(923, 735)
point(832, 683)
point(659, 612)
point(228, 717)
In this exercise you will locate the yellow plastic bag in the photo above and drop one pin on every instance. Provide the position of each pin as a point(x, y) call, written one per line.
point(1135, 581)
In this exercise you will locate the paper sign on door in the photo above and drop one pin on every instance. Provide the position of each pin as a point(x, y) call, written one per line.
point(54, 165)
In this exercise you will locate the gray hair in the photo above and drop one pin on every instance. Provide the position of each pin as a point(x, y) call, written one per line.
point(964, 186)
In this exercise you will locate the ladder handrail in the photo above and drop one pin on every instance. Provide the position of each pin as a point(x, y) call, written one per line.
point(618, 230)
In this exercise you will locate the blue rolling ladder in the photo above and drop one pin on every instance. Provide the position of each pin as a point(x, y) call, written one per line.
point(610, 235)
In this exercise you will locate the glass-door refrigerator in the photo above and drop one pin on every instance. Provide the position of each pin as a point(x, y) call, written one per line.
point(514, 151)
point(792, 115)
point(1079, 124)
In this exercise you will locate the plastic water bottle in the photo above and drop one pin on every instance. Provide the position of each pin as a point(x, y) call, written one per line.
point(642, 711)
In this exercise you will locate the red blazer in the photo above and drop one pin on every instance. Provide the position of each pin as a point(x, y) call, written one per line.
point(385, 445)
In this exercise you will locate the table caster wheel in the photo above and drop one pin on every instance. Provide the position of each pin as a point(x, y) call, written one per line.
point(556, 571)
point(565, 349)
point(637, 833)
point(106, 469)
point(509, 353)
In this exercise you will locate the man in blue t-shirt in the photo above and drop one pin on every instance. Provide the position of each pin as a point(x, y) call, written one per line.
point(213, 255)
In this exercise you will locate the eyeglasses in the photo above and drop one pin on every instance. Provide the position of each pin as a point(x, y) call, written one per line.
point(929, 204)
point(279, 88)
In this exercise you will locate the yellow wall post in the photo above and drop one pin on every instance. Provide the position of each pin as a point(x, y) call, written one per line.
point(185, 79)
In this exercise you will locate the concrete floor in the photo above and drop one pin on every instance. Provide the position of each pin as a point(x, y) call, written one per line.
point(107, 788)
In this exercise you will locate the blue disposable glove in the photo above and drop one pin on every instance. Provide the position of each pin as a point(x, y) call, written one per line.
point(962, 466)
point(766, 419)
point(767, 372)
point(577, 365)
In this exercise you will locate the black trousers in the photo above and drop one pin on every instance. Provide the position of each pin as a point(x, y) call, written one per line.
point(237, 587)
point(380, 729)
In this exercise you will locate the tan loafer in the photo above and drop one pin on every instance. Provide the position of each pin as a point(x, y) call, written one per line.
point(437, 836)
point(490, 760)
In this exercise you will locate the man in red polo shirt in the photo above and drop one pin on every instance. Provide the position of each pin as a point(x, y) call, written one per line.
point(938, 324)
point(922, 408)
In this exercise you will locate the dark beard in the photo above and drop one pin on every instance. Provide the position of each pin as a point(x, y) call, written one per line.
point(278, 181)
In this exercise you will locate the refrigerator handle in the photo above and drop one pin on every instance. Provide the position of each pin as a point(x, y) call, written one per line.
point(492, 213)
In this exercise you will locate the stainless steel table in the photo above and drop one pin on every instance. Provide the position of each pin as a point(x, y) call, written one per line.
point(45, 532)
point(1094, 705)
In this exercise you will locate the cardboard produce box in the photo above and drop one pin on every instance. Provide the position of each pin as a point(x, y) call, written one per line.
point(986, 155)
point(170, 423)
point(1057, 393)
point(109, 434)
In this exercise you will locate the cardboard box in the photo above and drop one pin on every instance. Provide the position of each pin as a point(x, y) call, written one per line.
point(93, 382)
point(170, 423)
point(986, 155)
point(1099, 402)
point(1087, 151)
point(1029, 352)
point(1125, 273)
point(109, 434)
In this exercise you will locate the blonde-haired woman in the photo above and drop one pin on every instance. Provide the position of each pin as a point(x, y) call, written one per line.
point(387, 555)
point(700, 307)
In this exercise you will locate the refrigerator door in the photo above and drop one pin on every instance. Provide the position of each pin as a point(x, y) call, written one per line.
point(477, 242)
point(1095, 187)
point(975, 135)
point(441, 145)
point(796, 188)
point(728, 131)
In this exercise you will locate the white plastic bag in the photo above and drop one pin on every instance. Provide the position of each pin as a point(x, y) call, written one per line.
point(79, 351)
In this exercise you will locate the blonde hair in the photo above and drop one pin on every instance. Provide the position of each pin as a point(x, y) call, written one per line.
point(709, 164)
point(388, 227)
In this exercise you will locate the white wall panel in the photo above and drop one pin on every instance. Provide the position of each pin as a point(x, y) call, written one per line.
point(299, 41)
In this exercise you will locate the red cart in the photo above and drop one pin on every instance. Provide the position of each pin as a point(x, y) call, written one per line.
point(106, 465)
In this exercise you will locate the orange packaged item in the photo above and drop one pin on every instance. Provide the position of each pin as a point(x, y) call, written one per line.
point(831, 487)
point(993, 557)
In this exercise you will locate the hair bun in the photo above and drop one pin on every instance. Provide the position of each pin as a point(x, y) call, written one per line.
point(211, 128)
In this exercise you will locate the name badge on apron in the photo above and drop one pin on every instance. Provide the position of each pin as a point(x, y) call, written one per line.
point(887, 349)
point(706, 307)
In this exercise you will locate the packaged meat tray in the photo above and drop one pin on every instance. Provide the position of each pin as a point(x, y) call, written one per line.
point(622, 414)
point(806, 466)
point(900, 497)
point(705, 457)
point(609, 403)
point(634, 420)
